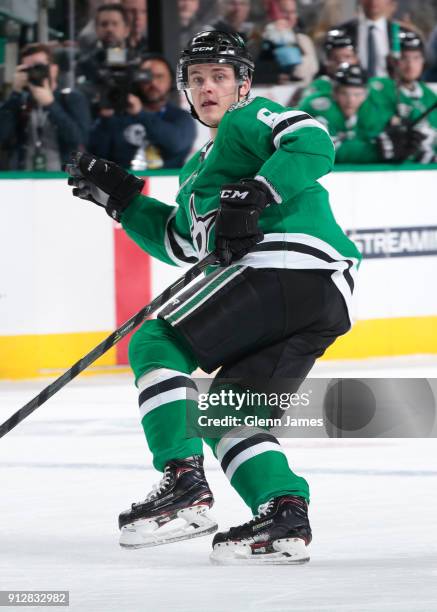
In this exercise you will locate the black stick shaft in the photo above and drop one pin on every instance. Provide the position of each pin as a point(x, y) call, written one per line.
point(424, 114)
point(105, 345)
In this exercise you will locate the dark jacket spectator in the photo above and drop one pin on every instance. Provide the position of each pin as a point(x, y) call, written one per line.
point(40, 124)
point(189, 20)
point(151, 132)
point(373, 36)
point(167, 135)
point(235, 18)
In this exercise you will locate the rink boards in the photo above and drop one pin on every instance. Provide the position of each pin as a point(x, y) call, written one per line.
point(70, 275)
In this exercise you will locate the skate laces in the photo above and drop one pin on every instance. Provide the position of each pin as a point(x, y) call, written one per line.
point(159, 487)
point(263, 510)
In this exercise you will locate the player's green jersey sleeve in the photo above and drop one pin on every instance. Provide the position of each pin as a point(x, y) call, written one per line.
point(161, 230)
point(294, 150)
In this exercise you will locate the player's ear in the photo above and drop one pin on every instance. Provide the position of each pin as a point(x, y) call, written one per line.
point(245, 88)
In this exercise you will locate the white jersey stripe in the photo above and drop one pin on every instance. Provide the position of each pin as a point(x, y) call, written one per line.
point(298, 126)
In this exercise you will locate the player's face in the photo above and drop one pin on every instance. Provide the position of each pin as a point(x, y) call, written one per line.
point(344, 55)
point(213, 88)
point(411, 65)
point(350, 99)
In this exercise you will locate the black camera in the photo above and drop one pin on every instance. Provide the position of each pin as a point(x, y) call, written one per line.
point(117, 81)
point(37, 74)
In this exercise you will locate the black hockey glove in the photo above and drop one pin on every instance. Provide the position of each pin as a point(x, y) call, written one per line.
point(399, 142)
point(102, 182)
point(236, 224)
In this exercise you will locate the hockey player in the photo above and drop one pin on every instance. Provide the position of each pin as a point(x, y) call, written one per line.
point(359, 127)
point(408, 97)
point(279, 296)
point(338, 49)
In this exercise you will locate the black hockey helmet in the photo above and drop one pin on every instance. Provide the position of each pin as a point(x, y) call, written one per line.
point(337, 39)
point(215, 47)
point(410, 41)
point(351, 74)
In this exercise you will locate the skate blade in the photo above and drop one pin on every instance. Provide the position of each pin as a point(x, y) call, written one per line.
point(190, 523)
point(289, 551)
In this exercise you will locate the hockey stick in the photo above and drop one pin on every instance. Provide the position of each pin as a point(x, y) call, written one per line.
point(423, 115)
point(106, 344)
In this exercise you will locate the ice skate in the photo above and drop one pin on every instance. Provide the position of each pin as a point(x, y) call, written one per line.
point(176, 509)
point(278, 534)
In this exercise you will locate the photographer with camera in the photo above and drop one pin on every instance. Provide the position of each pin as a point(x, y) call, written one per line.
point(141, 128)
point(40, 124)
point(110, 53)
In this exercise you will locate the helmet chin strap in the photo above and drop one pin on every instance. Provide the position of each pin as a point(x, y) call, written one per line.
point(196, 116)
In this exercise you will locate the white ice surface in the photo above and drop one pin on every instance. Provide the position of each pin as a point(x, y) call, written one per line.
point(68, 470)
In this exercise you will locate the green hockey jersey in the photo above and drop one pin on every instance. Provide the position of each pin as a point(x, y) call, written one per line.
point(408, 103)
point(285, 149)
point(322, 86)
point(354, 137)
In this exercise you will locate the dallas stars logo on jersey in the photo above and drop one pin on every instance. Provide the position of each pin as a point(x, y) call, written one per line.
point(201, 227)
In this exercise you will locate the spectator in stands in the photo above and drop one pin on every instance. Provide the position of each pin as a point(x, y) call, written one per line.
point(40, 124)
point(137, 15)
point(111, 50)
point(407, 96)
point(361, 130)
point(208, 10)
point(87, 38)
point(151, 132)
point(136, 12)
point(338, 49)
point(373, 35)
point(189, 21)
point(292, 52)
point(234, 18)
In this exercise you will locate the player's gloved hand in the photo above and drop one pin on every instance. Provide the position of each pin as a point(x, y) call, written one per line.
point(102, 182)
point(236, 224)
point(399, 142)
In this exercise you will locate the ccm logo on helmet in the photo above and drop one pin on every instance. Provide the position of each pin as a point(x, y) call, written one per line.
point(231, 194)
point(202, 49)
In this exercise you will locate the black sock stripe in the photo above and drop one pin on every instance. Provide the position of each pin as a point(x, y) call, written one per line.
point(243, 445)
point(166, 385)
point(309, 250)
point(285, 123)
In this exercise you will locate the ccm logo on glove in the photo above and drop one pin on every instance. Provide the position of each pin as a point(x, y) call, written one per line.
point(226, 194)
